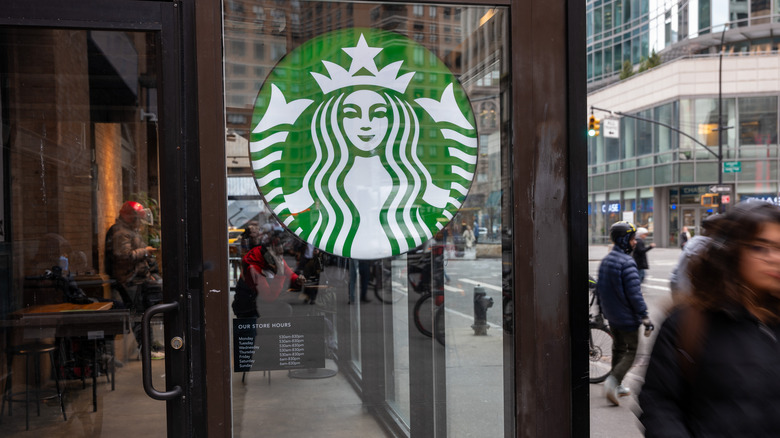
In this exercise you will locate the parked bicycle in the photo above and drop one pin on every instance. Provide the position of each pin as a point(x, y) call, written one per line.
point(599, 339)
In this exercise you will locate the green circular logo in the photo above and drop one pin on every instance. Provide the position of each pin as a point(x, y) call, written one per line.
point(363, 143)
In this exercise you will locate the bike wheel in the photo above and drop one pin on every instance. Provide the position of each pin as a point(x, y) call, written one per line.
point(422, 315)
point(387, 292)
point(600, 347)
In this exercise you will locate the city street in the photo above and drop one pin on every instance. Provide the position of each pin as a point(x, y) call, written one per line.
point(609, 421)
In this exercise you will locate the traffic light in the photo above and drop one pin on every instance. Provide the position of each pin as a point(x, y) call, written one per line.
point(593, 126)
point(710, 200)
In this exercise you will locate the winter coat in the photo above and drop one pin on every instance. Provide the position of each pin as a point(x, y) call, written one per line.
point(640, 254)
point(126, 258)
point(729, 387)
point(619, 291)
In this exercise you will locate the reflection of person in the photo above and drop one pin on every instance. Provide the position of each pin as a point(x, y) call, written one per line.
point(363, 267)
point(468, 237)
point(130, 262)
point(640, 253)
point(620, 296)
point(264, 274)
point(679, 281)
point(714, 366)
point(685, 236)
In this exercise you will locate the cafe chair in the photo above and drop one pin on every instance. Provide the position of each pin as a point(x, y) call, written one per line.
point(32, 391)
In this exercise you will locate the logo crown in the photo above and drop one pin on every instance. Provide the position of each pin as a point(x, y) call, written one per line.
point(362, 59)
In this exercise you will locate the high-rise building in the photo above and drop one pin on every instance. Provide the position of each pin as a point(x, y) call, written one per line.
point(687, 96)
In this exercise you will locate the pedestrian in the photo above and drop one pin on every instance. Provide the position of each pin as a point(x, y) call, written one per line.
point(469, 238)
point(266, 275)
point(131, 263)
point(679, 281)
point(640, 253)
point(685, 236)
point(620, 296)
point(715, 366)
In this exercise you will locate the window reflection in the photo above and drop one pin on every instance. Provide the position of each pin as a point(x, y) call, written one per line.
point(404, 378)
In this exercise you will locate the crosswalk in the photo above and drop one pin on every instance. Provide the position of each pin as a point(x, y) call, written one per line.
point(656, 283)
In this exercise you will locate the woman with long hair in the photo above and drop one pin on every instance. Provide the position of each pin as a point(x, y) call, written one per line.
point(715, 366)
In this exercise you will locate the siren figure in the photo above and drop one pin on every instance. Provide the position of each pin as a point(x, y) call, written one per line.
point(373, 193)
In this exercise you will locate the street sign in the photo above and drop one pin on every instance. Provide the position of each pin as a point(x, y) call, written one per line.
point(611, 128)
point(720, 189)
point(732, 166)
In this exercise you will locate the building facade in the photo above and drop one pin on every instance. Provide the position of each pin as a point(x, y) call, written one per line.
point(361, 144)
point(664, 148)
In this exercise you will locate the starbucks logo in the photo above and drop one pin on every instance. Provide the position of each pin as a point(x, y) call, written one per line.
point(363, 143)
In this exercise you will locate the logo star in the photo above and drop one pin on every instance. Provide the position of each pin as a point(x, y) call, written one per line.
point(362, 56)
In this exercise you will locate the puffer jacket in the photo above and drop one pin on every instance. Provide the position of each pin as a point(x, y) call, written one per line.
point(730, 386)
point(620, 292)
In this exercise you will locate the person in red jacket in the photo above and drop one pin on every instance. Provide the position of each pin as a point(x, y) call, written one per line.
point(264, 274)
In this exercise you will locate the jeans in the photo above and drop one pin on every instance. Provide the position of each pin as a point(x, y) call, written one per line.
point(624, 347)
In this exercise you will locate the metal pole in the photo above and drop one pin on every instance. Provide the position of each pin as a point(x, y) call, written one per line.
point(720, 109)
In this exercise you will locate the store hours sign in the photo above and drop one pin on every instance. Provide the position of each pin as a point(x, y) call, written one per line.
point(278, 343)
point(363, 143)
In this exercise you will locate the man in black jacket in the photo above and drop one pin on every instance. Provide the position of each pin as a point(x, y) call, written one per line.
point(620, 297)
point(640, 253)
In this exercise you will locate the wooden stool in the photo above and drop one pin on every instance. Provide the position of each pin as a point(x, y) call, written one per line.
point(34, 350)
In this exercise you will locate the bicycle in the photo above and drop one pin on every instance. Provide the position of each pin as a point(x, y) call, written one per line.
point(599, 340)
point(429, 308)
point(423, 324)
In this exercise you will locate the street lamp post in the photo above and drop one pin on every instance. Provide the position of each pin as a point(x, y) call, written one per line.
point(720, 107)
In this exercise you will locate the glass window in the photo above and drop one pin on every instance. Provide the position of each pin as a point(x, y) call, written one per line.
point(644, 177)
point(397, 330)
point(597, 21)
point(613, 181)
point(663, 174)
point(757, 121)
point(628, 178)
point(81, 149)
point(664, 137)
point(627, 136)
point(644, 133)
point(706, 171)
point(760, 11)
point(705, 17)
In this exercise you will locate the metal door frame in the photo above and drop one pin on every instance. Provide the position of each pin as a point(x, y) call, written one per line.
point(185, 414)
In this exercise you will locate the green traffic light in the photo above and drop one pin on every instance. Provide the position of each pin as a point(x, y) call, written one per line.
point(591, 132)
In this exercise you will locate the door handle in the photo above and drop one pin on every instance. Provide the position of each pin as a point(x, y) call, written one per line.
point(146, 352)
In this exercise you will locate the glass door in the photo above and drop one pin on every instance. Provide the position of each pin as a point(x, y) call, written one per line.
point(88, 245)
point(345, 121)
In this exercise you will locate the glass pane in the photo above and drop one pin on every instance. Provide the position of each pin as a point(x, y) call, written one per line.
point(377, 158)
point(81, 239)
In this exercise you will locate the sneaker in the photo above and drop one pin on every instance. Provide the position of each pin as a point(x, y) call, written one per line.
point(610, 390)
point(622, 391)
point(157, 355)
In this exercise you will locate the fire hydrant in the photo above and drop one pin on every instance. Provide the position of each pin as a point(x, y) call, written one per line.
point(481, 304)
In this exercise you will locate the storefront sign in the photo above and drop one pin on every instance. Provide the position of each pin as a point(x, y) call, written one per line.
point(363, 143)
point(278, 343)
point(763, 197)
point(610, 208)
